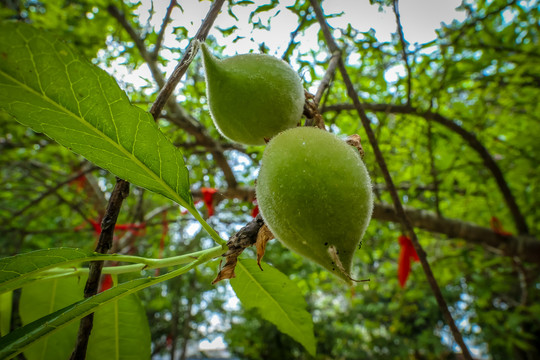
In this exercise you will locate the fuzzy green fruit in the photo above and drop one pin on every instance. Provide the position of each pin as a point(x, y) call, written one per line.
point(315, 195)
point(252, 97)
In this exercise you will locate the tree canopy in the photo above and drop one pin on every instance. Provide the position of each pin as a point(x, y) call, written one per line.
point(118, 194)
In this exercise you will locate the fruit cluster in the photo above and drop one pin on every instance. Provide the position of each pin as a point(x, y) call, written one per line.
point(313, 190)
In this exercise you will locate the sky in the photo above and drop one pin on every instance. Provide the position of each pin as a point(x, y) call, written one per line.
point(420, 19)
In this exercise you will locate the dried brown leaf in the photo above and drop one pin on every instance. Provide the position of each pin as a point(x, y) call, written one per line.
point(263, 237)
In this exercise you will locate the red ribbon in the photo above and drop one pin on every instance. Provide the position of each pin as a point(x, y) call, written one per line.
point(255, 210)
point(79, 182)
point(497, 227)
point(106, 283)
point(208, 198)
point(135, 229)
point(406, 254)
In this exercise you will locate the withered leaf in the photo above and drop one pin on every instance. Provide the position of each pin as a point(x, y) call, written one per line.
point(263, 237)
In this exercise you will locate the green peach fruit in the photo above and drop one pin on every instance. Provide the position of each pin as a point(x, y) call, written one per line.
point(314, 193)
point(252, 97)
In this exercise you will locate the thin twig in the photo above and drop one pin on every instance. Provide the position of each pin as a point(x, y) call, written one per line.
point(120, 192)
point(189, 54)
point(403, 50)
point(433, 169)
point(161, 34)
point(327, 78)
point(139, 43)
point(389, 182)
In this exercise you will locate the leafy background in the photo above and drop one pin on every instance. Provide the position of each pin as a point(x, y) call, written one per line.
point(481, 73)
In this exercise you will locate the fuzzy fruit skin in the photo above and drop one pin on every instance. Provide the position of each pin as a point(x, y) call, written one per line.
point(252, 97)
point(314, 192)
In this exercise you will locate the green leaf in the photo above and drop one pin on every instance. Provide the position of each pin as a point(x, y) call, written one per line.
point(6, 301)
point(46, 86)
point(18, 340)
point(17, 270)
point(42, 298)
point(278, 299)
point(120, 328)
point(121, 331)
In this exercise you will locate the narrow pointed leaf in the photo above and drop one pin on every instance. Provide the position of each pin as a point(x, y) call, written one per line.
point(120, 328)
point(16, 270)
point(278, 299)
point(48, 87)
point(18, 340)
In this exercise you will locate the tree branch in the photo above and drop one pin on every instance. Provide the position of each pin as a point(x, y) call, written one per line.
point(327, 78)
point(161, 34)
point(469, 137)
point(389, 182)
point(120, 192)
point(403, 50)
point(139, 43)
point(523, 247)
point(181, 68)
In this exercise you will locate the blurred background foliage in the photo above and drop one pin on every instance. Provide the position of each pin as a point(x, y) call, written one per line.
point(482, 74)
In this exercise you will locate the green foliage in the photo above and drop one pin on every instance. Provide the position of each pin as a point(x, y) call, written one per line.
point(15, 270)
point(121, 327)
point(277, 298)
point(42, 298)
point(121, 331)
point(46, 86)
point(481, 73)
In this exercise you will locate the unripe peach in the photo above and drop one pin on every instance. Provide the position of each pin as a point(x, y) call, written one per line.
point(315, 195)
point(252, 97)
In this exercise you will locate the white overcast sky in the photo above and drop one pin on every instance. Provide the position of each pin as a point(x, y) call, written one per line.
point(419, 18)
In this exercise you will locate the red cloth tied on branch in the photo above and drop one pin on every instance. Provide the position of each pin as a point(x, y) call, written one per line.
point(406, 254)
point(496, 226)
point(208, 198)
point(96, 225)
point(106, 283)
point(135, 229)
point(79, 182)
point(255, 210)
